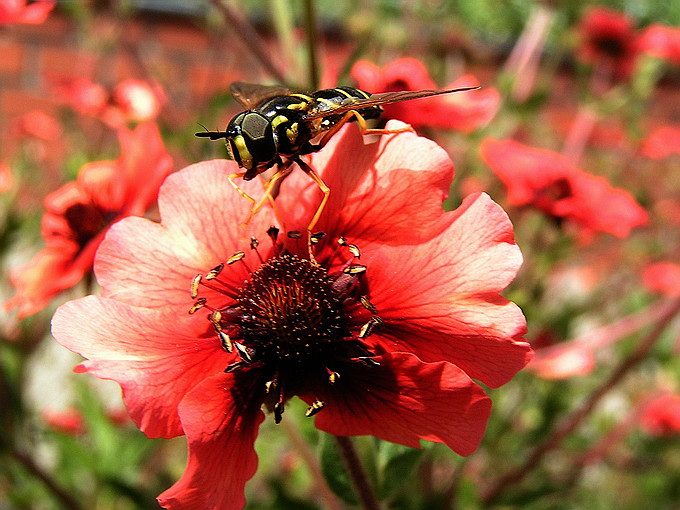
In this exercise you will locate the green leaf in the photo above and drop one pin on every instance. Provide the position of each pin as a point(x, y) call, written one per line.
point(396, 462)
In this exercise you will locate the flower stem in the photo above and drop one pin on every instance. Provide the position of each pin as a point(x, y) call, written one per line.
point(357, 472)
point(312, 39)
point(572, 421)
point(66, 499)
point(251, 39)
point(312, 464)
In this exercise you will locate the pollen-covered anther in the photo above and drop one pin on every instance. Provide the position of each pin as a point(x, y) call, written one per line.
point(368, 328)
point(315, 238)
point(214, 272)
point(369, 362)
point(354, 250)
point(342, 241)
point(294, 234)
point(236, 257)
point(354, 269)
point(216, 319)
point(245, 353)
point(200, 303)
point(194, 285)
point(226, 342)
point(271, 386)
point(316, 406)
point(368, 305)
point(254, 243)
point(333, 377)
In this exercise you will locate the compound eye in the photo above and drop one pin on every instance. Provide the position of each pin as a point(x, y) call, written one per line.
point(256, 127)
point(259, 137)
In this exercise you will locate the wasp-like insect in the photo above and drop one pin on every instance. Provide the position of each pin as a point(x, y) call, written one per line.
point(278, 126)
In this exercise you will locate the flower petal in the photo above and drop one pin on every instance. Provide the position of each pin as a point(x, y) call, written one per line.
point(441, 301)
point(221, 420)
point(390, 191)
point(156, 357)
point(193, 203)
point(405, 400)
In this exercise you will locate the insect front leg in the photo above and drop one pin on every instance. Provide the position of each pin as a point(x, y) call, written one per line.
point(326, 192)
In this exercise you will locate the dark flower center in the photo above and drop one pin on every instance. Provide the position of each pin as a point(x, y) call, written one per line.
point(293, 324)
point(612, 46)
point(87, 221)
point(555, 191)
point(290, 310)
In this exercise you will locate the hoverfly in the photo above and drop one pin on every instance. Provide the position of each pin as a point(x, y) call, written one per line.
point(278, 126)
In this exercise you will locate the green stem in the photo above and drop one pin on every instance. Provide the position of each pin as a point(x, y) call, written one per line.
point(357, 473)
point(312, 38)
point(251, 39)
point(66, 500)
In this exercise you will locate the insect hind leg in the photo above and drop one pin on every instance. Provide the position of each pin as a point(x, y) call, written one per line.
point(363, 127)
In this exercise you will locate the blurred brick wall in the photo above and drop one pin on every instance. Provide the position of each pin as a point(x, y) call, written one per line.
point(190, 64)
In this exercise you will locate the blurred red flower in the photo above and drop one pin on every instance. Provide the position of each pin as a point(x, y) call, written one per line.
point(661, 416)
point(546, 180)
point(465, 111)
point(662, 278)
point(68, 421)
point(608, 40)
point(662, 42)
point(662, 142)
point(381, 342)
point(37, 124)
point(130, 101)
point(78, 214)
point(6, 176)
point(16, 11)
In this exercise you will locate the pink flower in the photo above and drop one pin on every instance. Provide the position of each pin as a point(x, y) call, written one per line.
point(465, 111)
point(380, 336)
point(131, 101)
point(547, 181)
point(6, 176)
point(661, 416)
point(662, 278)
point(662, 142)
point(16, 11)
point(662, 42)
point(78, 214)
point(608, 39)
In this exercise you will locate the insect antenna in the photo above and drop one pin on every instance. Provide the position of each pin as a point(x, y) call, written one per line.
point(213, 135)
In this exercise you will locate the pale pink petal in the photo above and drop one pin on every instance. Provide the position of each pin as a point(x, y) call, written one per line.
point(156, 357)
point(151, 264)
point(441, 301)
point(389, 192)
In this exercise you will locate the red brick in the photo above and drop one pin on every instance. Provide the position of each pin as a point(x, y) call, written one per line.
point(180, 36)
point(207, 80)
point(56, 26)
point(66, 61)
point(12, 57)
point(15, 102)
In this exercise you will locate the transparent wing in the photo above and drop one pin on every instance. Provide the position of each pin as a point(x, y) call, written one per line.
point(250, 95)
point(380, 99)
